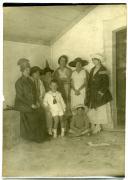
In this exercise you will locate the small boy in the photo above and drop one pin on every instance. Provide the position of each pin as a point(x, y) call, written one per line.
point(54, 103)
point(80, 122)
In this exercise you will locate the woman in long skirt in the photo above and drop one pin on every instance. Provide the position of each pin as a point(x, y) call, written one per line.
point(63, 77)
point(78, 83)
point(98, 95)
point(26, 104)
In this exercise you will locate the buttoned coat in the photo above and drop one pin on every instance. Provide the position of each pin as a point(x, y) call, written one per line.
point(98, 92)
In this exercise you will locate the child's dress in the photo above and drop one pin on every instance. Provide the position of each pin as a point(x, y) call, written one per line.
point(55, 103)
point(79, 123)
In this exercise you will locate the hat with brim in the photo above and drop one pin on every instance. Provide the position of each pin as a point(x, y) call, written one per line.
point(34, 69)
point(98, 56)
point(79, 106)
point(23, 63)
point(83, 62)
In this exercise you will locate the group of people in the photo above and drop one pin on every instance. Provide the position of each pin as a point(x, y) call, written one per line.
point(50, 100)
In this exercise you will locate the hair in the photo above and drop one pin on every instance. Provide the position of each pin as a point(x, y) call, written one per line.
point(54, 81)
point(63, 56)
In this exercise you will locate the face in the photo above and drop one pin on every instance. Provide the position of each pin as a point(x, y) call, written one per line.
point(27, 71)
point(63, 62)
point(48, 75)
point(96, 61)
point(80, 111)
point(53, 86)
point(78, 65)
point(36, 75)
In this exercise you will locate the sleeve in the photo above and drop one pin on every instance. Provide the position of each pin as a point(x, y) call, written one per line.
point(69, 73)
point(42, 89)
point(72, 75)
point(45, 101)
point(56, 75)
point(104, 83)
point(20, 94)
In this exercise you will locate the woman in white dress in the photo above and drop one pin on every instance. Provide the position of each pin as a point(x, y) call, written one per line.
point(98, 95)
point(78, 82)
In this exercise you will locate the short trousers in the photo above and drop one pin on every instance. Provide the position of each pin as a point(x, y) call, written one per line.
point(57, 113)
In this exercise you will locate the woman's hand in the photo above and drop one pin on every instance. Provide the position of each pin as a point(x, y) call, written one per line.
point(77, 92)
point(99, 92)
point(34, 106)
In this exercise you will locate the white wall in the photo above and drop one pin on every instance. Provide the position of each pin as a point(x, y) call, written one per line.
point(14, 51)
point(87, 36)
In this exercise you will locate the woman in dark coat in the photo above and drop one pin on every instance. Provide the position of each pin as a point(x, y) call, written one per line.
point(98, 95)
point(26, 103)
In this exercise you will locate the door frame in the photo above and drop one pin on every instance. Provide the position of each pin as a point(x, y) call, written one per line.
point(114, 73)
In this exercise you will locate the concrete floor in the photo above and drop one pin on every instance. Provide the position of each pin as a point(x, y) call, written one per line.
point(67, 157)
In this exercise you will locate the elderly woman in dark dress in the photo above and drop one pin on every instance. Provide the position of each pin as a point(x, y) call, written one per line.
point(98, 95)
point(26, 104)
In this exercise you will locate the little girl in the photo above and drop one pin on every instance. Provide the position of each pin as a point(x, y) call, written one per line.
point(80, 122)
point(54, 103)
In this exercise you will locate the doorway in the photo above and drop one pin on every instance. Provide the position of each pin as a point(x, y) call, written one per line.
point(120, 76)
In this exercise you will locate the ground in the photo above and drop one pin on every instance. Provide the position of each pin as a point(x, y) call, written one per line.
point(67, 157)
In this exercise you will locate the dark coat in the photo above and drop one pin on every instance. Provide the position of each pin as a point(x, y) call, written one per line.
point(25, 94)
point(32, 122)
point(98, 82)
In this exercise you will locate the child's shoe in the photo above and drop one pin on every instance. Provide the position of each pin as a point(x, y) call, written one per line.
point(54, 133)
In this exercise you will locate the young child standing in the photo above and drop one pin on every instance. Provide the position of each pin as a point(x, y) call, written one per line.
point(80, 122)
point(54, 103)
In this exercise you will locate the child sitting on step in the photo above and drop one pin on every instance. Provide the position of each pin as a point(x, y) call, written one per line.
point(80, 122)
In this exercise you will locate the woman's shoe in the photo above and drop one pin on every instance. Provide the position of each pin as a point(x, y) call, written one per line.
point(97, 129)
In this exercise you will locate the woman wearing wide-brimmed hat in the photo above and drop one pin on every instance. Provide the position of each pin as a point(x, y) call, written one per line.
point(26, 104)
point(98, 94)
point(40, 90)
point(63, 77)
point(78, 82)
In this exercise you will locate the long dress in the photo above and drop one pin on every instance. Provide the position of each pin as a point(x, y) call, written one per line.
point(63, 78)
point(31, 127)
point(78, 79)
point(99, 105)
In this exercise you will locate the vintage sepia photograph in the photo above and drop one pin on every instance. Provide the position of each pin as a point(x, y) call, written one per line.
point(64, 88)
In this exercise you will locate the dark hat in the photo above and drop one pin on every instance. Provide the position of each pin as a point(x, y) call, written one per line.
point(46, 69)
point(63, 56)
point(23, 63)
point(34, 69)
point(78, 59)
